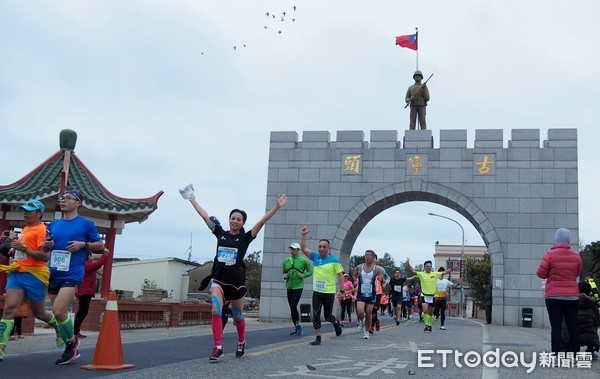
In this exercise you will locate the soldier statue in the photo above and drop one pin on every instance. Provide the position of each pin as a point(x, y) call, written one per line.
point(417, 97)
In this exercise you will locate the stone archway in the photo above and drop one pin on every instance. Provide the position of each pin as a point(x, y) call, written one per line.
point(515, 196)
point(396, 194)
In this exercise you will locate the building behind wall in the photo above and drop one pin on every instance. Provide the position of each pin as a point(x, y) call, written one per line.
point(450, 256)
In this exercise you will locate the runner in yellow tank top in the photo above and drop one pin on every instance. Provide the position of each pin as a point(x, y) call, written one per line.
point(428, 280)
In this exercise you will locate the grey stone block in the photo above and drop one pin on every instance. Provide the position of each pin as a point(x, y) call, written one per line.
point(350, 136)
point(517, 206)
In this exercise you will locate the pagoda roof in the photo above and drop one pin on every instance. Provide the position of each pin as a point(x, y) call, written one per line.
point(45, 183)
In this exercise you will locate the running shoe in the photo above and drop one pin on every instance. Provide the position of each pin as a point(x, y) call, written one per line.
point(294, 331)
point(216, 354)
point(241, 348)
point(20, 337)
point(349, 320)
point(397, 322)
point(12, 338)
point(299, 330)
point(360, 325)
point(80, 336)
point(316, 342)
point(429, 329)
point(338, 328)
point(366, 335)
point(371, 330)
point(443, 327)
point(377, 325)
point(426, 329)
point(70, 354)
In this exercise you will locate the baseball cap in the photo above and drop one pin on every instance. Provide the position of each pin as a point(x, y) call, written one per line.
point(295, 245)
point(33, 205)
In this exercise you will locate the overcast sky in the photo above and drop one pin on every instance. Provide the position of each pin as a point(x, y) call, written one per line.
point(159, 96)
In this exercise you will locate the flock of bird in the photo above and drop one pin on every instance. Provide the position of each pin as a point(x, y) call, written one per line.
point(273, 22)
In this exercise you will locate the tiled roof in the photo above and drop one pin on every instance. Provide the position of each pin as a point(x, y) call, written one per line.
point(45, 180)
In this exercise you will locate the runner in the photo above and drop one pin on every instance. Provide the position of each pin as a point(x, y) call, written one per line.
point(379, 283)
point(383, 304)
point(28, 273)
point(441, 297)
point(227, 280)
point(295, 269)
point(326, 268)
point(348, 299)
point(407, 304)
point(428, 280)
point(366, 275)
point(397, 292)
point(73, 237)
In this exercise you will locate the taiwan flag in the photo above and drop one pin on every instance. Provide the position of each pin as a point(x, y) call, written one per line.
point(410, 41)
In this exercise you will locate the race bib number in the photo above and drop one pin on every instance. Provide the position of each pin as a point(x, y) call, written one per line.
point(398, 289)
point(428, 299)
point(227, 255)
point(320, 285)
point(366, 289)
point(60, 260)
point(19, 255)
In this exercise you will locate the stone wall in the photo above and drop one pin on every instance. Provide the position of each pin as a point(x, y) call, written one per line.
point(516, 196)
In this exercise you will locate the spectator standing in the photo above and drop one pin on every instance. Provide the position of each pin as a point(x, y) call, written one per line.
point(87, 290)
point(561, 266)
point(487, 303)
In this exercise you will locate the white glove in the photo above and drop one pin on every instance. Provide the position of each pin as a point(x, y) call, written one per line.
point(187, 191)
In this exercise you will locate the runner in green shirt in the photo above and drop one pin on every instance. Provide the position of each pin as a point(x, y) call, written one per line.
point(428, 280)
point(295, 268)
point(326, 269)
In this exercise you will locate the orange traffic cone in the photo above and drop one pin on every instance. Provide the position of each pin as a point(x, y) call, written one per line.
point(109, 350)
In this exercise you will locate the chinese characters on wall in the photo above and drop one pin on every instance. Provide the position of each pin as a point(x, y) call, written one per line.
point(416, 164)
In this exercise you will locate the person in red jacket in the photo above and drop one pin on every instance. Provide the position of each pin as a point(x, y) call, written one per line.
point(87, 290)
point(561, 266)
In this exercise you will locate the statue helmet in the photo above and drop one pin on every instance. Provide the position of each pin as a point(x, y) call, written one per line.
point(418, 73)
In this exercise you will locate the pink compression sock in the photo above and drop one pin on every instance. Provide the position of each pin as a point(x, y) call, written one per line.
point(217, 329)
point(241, 329)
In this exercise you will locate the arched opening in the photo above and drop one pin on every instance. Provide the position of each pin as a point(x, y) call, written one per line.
point(389, 197)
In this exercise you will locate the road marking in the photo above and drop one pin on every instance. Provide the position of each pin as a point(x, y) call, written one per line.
point(487, 372)
point(278, 348)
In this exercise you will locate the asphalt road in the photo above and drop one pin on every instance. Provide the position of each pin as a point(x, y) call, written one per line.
point(395, 351)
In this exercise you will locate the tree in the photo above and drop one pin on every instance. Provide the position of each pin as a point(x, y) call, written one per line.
point(253, 273)
point(387, 261)
point(149, 284)
point(478, 274)
point(355, 260)
point(590, 256)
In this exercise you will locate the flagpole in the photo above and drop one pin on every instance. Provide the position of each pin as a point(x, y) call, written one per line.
point(417, 33)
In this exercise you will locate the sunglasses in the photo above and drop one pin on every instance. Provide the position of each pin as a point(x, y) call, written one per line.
point(428, 266)
point(67, 198)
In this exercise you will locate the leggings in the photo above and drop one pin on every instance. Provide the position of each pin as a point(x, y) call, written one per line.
point(439, 309)
point(82, 311)
point(346, 307)
point(325, 301)
point(293, 297)
point(558, 310)
point(17, 329)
